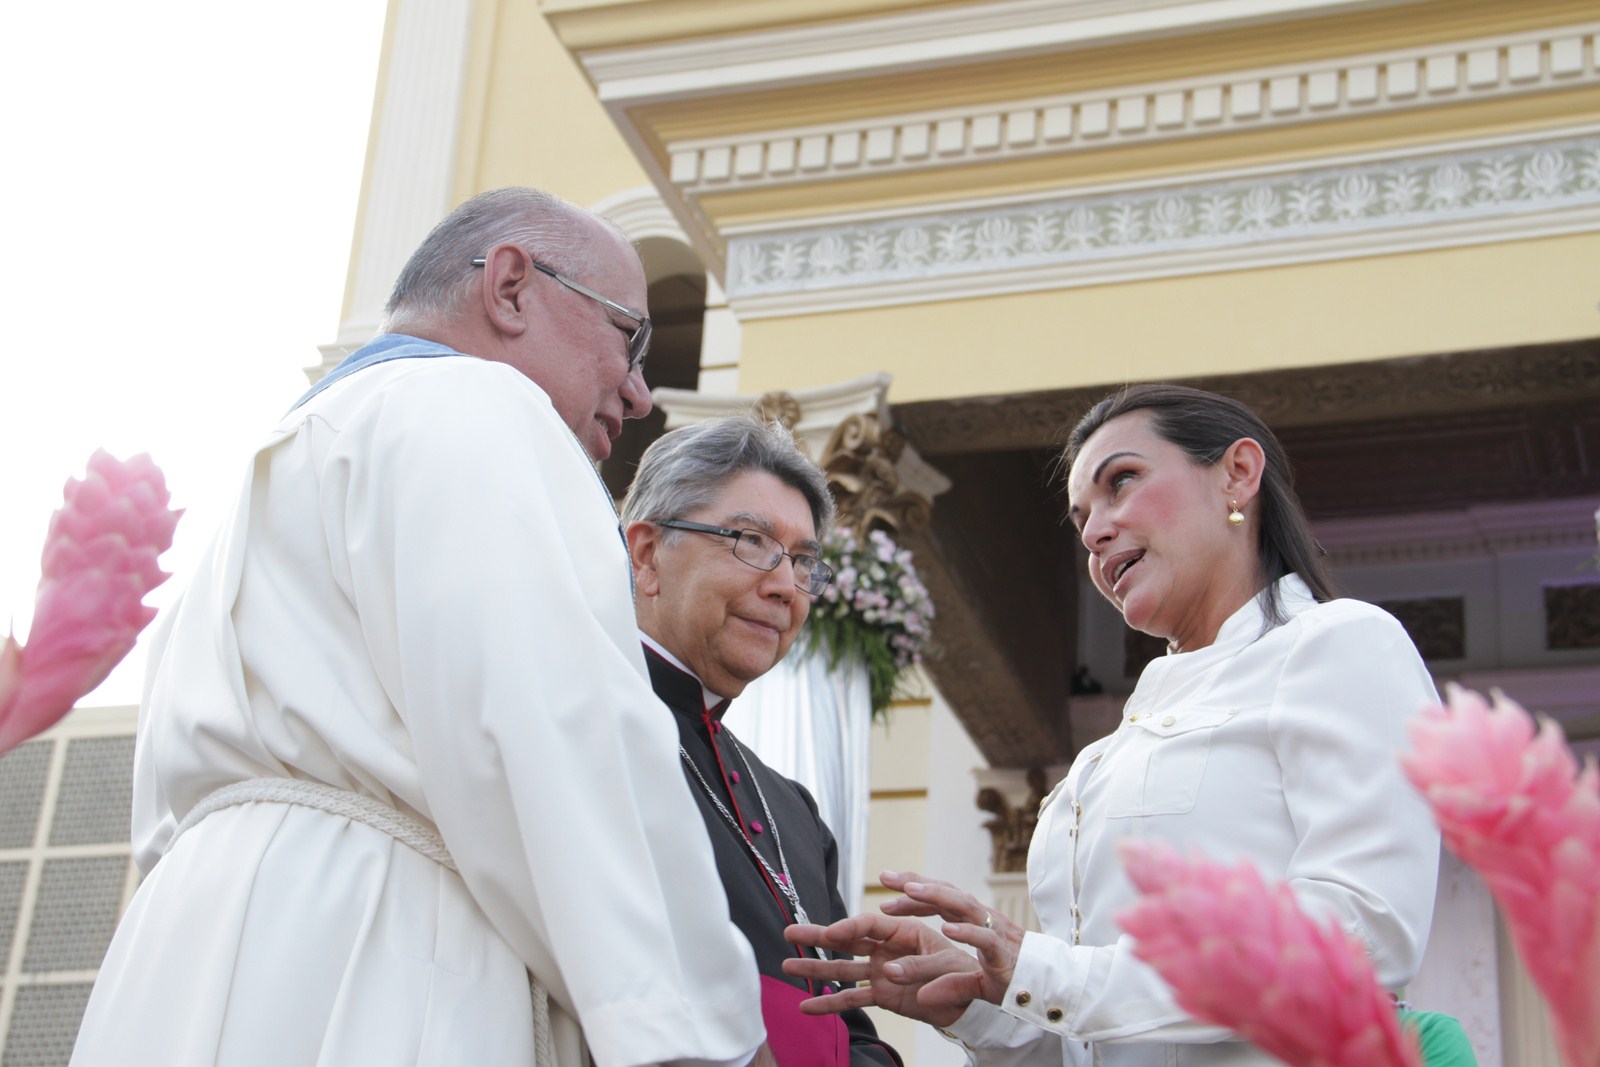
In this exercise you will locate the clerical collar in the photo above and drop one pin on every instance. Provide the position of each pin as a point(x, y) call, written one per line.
point(711, 699)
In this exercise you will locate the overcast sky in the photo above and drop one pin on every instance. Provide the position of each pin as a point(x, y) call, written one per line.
point(180, 182)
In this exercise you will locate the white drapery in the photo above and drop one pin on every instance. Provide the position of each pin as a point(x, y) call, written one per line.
point(813, 723)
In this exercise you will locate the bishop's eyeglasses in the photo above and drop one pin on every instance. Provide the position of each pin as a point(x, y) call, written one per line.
point(638, 337)
point(761, 551)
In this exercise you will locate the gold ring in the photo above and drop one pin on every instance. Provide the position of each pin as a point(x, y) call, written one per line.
point(988, 920)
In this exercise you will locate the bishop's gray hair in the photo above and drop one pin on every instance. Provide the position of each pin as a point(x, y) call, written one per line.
point(685, 469)
point(434, 283)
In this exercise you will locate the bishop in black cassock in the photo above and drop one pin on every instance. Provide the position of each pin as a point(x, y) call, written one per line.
point(723, 523)
point(760, 810)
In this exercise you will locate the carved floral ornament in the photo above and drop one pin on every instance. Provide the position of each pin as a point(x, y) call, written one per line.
point(861, 461)
point(1462, 188)
point(783, 409)
point(1011, 826)
point(861, 464)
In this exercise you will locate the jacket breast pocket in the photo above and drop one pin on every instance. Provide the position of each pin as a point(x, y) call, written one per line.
point(1163, 761)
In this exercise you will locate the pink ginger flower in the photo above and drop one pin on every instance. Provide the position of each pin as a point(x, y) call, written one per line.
point(1241, 954)
point(1512, 803)
point(99, 562)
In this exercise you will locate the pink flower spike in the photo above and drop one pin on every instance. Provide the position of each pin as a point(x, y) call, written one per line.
point(1512, 803)
point(1240, 953)
point(99, 562)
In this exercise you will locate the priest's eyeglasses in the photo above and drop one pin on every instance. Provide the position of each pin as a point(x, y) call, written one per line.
point(811, 575)
point(638, 337)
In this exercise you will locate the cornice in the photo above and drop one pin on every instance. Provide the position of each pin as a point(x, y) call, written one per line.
point(1376, 83)
point(1464, 194)
point(1299, 400)
point(1475, 532)
point(820, 409)
point(914, 40)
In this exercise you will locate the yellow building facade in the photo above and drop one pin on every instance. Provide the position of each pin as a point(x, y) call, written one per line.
point(1377, 221)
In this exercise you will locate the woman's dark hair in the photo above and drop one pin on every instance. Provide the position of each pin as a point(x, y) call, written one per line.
point(1203, 425)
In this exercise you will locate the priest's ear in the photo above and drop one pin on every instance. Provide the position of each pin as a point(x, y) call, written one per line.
point(644, 540)
point(506, 287)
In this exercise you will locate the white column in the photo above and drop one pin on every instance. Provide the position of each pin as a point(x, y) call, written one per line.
point(1460, 973)
point(410, 171)
point(1529, 1038)
point(721, 338)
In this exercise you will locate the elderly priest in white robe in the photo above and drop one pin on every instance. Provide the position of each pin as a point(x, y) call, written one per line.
point(398, 749)
point(723, 523)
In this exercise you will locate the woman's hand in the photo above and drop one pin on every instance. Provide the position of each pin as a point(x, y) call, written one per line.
point(900, 959)
point(967, 920)
point(909, 968)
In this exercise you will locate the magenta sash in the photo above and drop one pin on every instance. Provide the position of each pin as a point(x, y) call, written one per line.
point(801, 1040)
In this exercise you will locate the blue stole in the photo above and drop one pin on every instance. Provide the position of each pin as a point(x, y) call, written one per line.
point(380, 349)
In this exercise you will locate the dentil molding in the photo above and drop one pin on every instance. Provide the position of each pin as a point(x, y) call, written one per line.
point(1422, 77)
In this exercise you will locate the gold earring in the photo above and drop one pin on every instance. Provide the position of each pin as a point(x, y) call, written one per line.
point(1235, 516)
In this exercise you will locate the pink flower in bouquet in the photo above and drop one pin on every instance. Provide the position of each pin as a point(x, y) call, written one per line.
point(99, 562)
point(1240, 953)
point(1512, 803)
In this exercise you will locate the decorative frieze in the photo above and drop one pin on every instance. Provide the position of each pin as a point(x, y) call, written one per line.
point(1492, 191)
point(1232, 101)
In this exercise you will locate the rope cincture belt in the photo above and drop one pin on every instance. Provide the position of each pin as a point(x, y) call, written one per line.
point(416, 836)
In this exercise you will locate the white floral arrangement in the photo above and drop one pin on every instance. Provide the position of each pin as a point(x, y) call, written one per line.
point(876, 608)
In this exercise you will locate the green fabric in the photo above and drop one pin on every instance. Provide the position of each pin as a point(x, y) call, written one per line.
point(1443, 1042)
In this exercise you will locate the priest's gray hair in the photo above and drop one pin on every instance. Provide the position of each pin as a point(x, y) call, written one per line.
point(436, 281)
point(684, 470)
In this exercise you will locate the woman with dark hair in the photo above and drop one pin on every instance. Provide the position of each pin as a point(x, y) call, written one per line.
point(1270, 731)
point(1205, 425)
